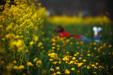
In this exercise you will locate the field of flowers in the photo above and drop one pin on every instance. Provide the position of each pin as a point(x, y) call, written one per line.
point(77, 57)
point(21, 30)
point(29, 45)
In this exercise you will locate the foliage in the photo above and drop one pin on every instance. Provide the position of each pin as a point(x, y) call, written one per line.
point(21, 29)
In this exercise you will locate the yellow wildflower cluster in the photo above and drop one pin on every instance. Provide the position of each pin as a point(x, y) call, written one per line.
point(52, 55)
point(21, 27)
point(19, 67)
point(66, 20)
point(38, 62)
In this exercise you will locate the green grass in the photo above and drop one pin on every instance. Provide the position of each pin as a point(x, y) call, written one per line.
point(102, 58)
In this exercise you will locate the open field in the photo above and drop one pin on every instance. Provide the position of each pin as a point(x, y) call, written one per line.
point(29, 45)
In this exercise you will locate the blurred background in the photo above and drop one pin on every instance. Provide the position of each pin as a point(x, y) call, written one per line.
point(74, 7)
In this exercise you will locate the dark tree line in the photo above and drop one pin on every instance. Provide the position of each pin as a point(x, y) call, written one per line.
point(73, 7)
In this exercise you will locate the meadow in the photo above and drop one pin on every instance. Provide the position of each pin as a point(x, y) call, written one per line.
point(78, 57)
point(29, 45)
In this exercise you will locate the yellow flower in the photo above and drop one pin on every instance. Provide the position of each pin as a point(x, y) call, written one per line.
point(94, 43)
point(35, 59)
point(92, 65)
point(58, 45)
point(27, 50)
point(67, 52)
point(84, 66)
point(95, 48)
point(35, 38)
point(53, 47)
point(78, 71)
point(52, 55)
point(58, 72)
point(58, 48)
point(42, 47)
point(77, 43)
point(50, 59)
point(59, 61)
point(88, 54)
point(88, 67)
point(53, 40)
point(66, 58)
point(43, 33)
point(52, 69)
point(103, 53)
point(84, 60)
point(20, 49)
point(73, 58)
point(40, 44)
point(21, 67)
point(75, 54)
point(57, 68)
point(110, 46)
point(31, 43)
point(81, 42)
point(101, 67)
point(79, 64)
point(98, 50)
point(67, 40)
point(29, 64)
point(71, 43)
point(80, 57)
point(53, 44)
point(38, 63)
point(19, 43)
point(14, 61)
point(67, 71)
point(96, 63)
point(72, 69)
point(71, 62)
point(95, 72)
point(1, 25)
point(88, 51)
point(55, 62)
point(1, 7)
point(15, 67)
point(9, 67)
point(53, 74)
point(100, 47)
